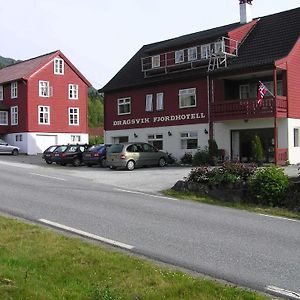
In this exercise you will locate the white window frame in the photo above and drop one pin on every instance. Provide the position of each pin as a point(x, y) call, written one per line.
point(3, 118)
point(44, 88)
point(149, 102)
point(160, 101)
point(14, 115)
point(44, 113)
point(74, 116)
point(73, 91)
point(59, 66)
point(184, 94)
point(185, 136)
point(205, 51)
point(14, 90)
point(296, 137)
point(156, 137)
point(124, 102)
point(179, 56)
point(244, 91)
point(219, 47)
point(192, 53)
point(1, 93)
point(155, 60)
point(75, 138)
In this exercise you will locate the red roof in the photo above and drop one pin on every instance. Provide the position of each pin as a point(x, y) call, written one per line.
point(24, 69)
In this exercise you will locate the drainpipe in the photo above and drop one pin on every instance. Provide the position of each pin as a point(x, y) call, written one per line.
point(210, 94)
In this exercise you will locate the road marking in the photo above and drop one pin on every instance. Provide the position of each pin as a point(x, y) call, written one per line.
point(145, 194)
point(280, 218)
point(283, 292)
point(46, 176)
point(19, 165)
point(87, 234)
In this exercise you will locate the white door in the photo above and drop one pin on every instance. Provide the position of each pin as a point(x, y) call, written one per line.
point(44, 141)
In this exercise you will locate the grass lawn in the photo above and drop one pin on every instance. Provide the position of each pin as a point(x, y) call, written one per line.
point(274, 211)
point(37, 263)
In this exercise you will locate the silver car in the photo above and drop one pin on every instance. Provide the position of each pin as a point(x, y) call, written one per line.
point(8, 149)
point(132, 155)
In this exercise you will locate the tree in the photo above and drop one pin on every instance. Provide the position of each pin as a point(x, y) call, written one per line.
point(95, 109)
point(257, 149)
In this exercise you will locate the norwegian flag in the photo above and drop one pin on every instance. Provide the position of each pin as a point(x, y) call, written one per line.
point(262, 90)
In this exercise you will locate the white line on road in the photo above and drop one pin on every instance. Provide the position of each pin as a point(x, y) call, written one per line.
point(87, 234)
point(46, 176)
point(280, 218)
point(145, 194)
point(19, 165)
point(283, 292)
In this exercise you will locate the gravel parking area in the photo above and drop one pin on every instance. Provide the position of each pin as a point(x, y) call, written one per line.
point(150, 180)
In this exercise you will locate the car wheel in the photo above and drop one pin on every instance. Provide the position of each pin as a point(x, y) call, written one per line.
point(76, 162)
point(103, 163)
point(130, 165)
point(62, 164)
point(15, 152)
point(89, 165)
point(112, 167)
point(162, 162)
point(49, 162)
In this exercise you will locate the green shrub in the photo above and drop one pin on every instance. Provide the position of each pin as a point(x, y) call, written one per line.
point(213, 149)
point(268, 186)
point(171, 159)
point(201, 157)
point(257, 149)
point(96, 140)
point(187, 158)
point(199, 175)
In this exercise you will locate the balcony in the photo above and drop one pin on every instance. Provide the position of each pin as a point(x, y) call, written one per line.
point(198, 56)
point(248, 109)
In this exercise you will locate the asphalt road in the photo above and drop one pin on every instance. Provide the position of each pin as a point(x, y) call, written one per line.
point(244, 248)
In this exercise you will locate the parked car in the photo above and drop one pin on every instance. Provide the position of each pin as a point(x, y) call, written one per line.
point(47, 154)
point(5, 148)
point(132, 155)
point(95, 155)
point(72, 154)
point(55, 156)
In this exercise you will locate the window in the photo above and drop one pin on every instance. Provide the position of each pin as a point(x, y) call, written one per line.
point(58, 66)
point(296, 137)
point(270, 86)
point(205, 51)
point(124, 106)
point(14, 90)
point(1, 92)
point(14, 115)
point(3, 118)
point(244, 91)
point(189, 140)
point(19, 138)
point(44, 115)
point(219, 47)
point(43, 88)
point(73, 116)
point(192, 53)
point(73, 91)
point(75, 138)
point(179, 56)
point(156, 140)
point(156, 61)
point(187, 98)
point(160, 101)
point(149, 102)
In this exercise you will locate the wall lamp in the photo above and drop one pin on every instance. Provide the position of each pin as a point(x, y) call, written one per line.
point(135, 135)
point(169, 133)
point(205, 131)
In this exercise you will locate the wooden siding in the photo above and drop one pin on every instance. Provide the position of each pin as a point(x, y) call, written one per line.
point(171, 106)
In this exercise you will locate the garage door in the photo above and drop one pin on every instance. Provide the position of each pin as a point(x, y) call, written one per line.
point(44, 141)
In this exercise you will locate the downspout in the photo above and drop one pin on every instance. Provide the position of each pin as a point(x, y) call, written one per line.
point(275, 116)
point(209, 101)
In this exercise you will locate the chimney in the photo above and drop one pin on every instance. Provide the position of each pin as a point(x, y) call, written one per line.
point(245, 11)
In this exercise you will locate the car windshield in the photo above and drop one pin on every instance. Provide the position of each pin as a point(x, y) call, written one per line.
point(117, 148)
point(95, 147)
point(61, 149)
point(51, 149)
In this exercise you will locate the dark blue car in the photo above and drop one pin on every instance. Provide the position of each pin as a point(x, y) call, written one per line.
point(95, 155)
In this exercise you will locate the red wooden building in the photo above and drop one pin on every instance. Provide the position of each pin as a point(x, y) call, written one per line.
point(178, 93)
point(43, 101)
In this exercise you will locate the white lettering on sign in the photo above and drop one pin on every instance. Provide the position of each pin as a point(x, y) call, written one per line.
point(159, 119)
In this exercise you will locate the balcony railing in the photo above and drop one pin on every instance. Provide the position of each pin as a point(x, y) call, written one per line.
point(244, 109)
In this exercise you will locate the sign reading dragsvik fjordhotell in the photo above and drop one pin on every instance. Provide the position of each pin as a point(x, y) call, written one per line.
point(159, 119)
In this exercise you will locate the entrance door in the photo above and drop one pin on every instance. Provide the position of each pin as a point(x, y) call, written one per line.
point(241, 141)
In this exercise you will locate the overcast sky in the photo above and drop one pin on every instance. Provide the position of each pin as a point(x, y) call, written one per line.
point(100, 36)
